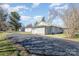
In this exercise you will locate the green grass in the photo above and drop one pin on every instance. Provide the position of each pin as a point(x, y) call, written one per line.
point(57, 35)
point(24, 32)
point(2, 36)
point(76, 38)
point(21, 32)
point(6, 47)
point(6, 53)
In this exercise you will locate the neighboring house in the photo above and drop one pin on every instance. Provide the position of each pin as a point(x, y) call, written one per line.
point(22, 29)
point(28, 28)
point(43, 28)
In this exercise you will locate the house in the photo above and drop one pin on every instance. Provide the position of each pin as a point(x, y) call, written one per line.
point(44, 28)
point(22, 29)
point(28, 28)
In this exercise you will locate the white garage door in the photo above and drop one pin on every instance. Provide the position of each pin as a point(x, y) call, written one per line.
point(40, 31)
point(28, 30)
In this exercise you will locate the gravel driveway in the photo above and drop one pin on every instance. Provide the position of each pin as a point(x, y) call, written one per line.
point(45, 46)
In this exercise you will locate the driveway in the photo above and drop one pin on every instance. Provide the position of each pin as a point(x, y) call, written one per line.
point(45, 46)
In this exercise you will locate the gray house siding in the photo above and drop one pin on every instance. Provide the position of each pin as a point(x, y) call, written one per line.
point(44, 30)
point(48, 30)
point(57, 30)
point(53, 30)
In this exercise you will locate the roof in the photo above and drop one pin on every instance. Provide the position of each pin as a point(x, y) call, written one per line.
point(48, 26)
point(45, 24)
point(42, 23)
point(29, 26)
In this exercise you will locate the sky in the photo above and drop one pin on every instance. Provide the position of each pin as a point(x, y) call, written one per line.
point(32, 12)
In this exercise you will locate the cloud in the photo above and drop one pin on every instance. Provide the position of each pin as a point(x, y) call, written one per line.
point(30, 18)
point(62, 7)
point(34, 5)
point(24, 18)
point(54, 4)
point(8, 8)
point(5, 6)
point(38, 18)
point(18, 8)
point(58, 6)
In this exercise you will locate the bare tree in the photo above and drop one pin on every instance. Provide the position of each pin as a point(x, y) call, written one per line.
point(51, 15)
point(3, 16)
point(71, 21)
point(70, 18)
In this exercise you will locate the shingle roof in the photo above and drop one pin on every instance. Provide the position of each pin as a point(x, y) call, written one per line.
point(29, 26)
point(42, 23)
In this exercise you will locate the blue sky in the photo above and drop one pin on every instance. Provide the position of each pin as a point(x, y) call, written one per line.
point(32, 12)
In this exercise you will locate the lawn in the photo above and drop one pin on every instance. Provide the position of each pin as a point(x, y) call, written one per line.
point(8, 48)
point(20, 32)
point(24, 32)
point(56, 35)
point(64, 37)
point(2, 35)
